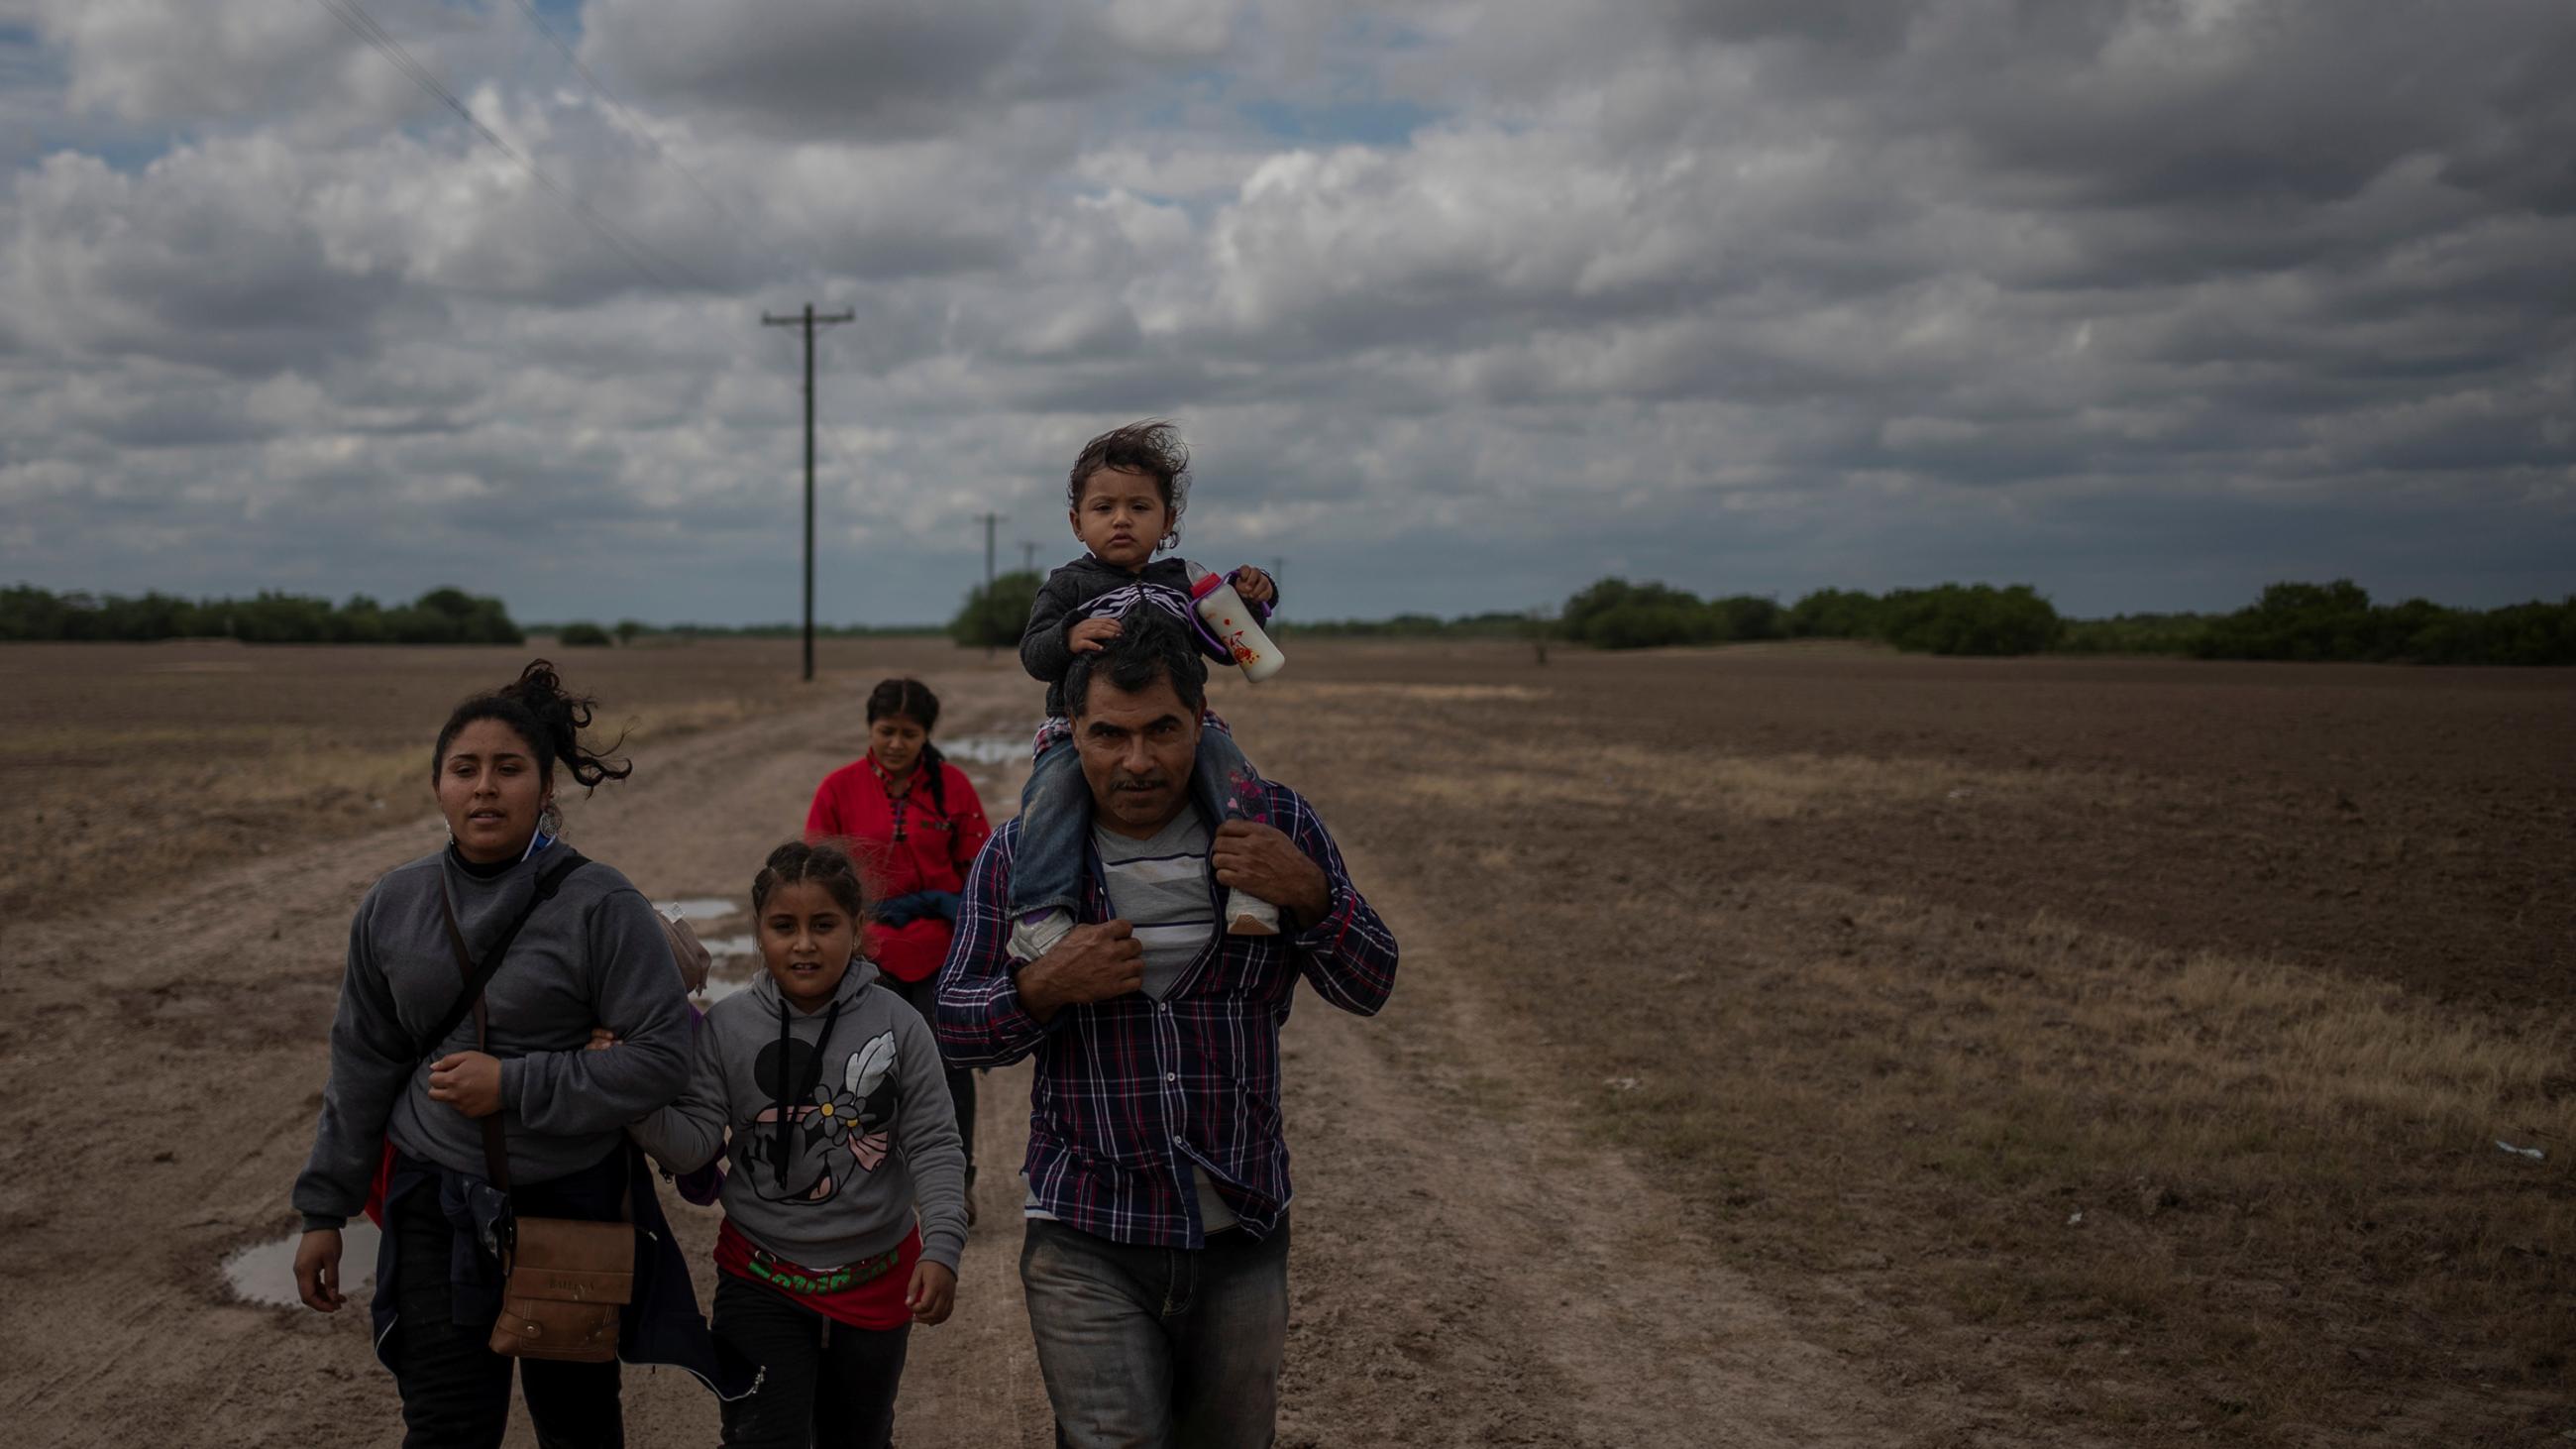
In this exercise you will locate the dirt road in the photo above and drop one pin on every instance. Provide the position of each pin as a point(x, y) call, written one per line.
point(1467, 1270)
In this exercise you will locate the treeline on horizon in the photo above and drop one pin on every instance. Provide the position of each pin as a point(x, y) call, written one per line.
point(441, 616)
point(583, 633)
point(2290, 622)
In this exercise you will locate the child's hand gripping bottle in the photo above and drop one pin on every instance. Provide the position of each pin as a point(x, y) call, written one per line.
point(1231, 620)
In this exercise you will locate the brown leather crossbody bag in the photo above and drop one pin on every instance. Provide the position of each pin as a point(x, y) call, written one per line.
point(563, 1279)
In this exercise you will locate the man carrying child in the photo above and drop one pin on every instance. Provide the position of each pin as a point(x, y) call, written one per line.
point(1156, 1258)
point(1124, 498)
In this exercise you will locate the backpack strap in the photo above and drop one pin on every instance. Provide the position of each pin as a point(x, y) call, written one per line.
point(476, 976)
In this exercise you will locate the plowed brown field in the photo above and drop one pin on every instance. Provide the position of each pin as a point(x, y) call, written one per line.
point(1792, 1046)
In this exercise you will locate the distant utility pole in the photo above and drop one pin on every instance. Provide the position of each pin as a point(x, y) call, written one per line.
point(1028, 557)
point(988, 520)
point(808, 322)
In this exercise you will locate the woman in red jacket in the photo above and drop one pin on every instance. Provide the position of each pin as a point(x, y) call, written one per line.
point(913, 822)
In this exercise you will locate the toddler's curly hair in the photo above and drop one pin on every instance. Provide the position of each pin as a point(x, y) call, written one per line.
point(1154, 448)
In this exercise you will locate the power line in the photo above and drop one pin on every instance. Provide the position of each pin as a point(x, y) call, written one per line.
point(634, 251)
point(633, 122)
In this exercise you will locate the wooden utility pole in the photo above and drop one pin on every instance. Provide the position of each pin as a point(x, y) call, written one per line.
point(988, 520)
point(1028, 557)
point(808, 321)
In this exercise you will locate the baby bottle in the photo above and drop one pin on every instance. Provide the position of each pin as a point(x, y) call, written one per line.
point(1230, 619)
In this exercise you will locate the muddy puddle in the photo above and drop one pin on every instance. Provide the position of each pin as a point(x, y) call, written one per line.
point(264, 1273)
point(734, 964)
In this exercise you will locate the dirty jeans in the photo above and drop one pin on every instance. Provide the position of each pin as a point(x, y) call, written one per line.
point(1055, 814)
point(1158, 1348)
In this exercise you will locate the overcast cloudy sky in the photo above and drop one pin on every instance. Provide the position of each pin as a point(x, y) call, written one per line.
point(1462, 305)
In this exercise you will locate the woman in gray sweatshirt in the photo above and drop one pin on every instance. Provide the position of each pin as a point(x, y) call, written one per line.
point(845, 1206)
point(405, 1112)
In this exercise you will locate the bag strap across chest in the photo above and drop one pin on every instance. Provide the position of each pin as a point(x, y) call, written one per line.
point(496, 1158)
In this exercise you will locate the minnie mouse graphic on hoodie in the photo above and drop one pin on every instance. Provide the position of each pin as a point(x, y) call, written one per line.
point(839, 1119)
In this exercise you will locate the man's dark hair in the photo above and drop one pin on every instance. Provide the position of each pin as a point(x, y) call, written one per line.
point(1153, 448)
point(1152, 647)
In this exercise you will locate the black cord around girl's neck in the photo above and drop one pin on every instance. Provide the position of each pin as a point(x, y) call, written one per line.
point(779, 1156)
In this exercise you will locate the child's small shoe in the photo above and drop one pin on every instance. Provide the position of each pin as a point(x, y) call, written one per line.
point(1038, 932)
point(1249, 915)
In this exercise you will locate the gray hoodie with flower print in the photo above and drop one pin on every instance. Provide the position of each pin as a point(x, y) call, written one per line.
point(865, 1135)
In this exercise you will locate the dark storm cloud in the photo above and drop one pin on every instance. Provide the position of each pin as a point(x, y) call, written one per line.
point(904, 68)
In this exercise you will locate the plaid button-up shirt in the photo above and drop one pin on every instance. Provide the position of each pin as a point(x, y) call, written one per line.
point(1131, 1093)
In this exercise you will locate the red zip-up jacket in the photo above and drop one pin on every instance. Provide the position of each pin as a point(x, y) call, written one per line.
point(903, 843)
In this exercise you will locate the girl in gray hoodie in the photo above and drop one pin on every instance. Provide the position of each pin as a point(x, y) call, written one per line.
point(845, 1209)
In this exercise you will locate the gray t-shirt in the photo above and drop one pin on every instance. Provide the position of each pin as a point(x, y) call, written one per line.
point(1160, 887)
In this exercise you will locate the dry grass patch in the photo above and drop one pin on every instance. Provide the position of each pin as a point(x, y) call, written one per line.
point(106, 798)
point(1306, 691)
point(144, 802)
point(2220, 1190)
point(1742, 787)
point(1867, 959)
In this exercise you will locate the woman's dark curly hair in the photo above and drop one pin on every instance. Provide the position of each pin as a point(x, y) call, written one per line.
point(538, 708)
point(824, 864)
point(1153, 448)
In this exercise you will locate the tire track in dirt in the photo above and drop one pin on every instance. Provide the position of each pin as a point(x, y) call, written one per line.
point(1467, 1270)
